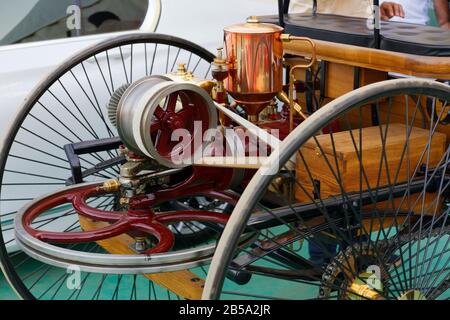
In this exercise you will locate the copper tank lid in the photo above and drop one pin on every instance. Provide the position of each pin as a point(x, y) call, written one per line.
point(253, 26)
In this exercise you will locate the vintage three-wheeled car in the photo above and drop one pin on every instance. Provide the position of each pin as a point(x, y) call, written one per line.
point(306, 159)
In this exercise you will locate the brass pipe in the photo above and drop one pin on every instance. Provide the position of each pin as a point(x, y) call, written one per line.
point(289, 38)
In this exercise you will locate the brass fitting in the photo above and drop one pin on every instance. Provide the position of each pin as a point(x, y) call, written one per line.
point(124, 201)
point(363, 290)
point(219, 71)
point(207, 85)
point(252, 19)
point(140, 244)
point(283, 97)
point(285, 37)
point(110, 186)
point(181, 69)
point(253, 118)
point(183, 75)
point(413, 295)
point(219, 59)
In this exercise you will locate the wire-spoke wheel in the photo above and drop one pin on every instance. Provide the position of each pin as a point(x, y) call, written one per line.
point(368, 204)
point(68, 107)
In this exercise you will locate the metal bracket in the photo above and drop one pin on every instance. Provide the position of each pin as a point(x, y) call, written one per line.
point(73, 151)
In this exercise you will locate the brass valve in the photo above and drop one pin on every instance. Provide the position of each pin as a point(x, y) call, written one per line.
point(219, 58)
point(219, 67)
point(283, 97)
point(110, 186)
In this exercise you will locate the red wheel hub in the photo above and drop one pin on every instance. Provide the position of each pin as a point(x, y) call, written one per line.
point(173, 116)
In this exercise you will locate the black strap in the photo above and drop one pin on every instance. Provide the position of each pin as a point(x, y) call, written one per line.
point(376, 30)
point(286, 6)
point(281, 6)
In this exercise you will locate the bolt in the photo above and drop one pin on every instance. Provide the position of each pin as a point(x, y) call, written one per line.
point(124, 201)
point(140, 244)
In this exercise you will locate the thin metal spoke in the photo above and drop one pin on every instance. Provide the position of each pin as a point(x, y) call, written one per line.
point(153, 58)
point(102, 74)
point(100, 113)
point(109, 71)
point(123, 65)
point(39, 162)
point(167, 58)
point(99, 288)
point(34, 175)
point(88, 128)
point(175, 60)
point(196, 65)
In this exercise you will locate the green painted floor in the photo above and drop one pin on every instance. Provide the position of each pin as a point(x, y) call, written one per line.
point(270, 290)
point(5, 291)
point(261, 285)
point(55, 279)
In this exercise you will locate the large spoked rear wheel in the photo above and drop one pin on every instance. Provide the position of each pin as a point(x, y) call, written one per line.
point(368, 211)
point(70, 106)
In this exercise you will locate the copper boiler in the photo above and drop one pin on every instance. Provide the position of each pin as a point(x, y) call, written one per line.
point(254, 52)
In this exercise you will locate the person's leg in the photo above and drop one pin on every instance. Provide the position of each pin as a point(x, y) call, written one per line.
point(442, 10)
point(319, 256)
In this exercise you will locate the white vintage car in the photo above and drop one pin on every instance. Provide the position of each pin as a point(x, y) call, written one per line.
point(99, 198)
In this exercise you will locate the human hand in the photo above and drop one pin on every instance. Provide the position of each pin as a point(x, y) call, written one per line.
point(389, 10)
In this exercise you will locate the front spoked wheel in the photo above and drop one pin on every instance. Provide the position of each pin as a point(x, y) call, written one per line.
point(70, 107)
point(367, 214)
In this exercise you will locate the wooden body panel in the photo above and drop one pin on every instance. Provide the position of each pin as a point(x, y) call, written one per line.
point(398, 112)
point(183, 283)
point(375, 59)
point(347, 161)
point(340, 79)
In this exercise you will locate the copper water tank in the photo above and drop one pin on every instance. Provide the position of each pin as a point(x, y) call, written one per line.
point(254, 52)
